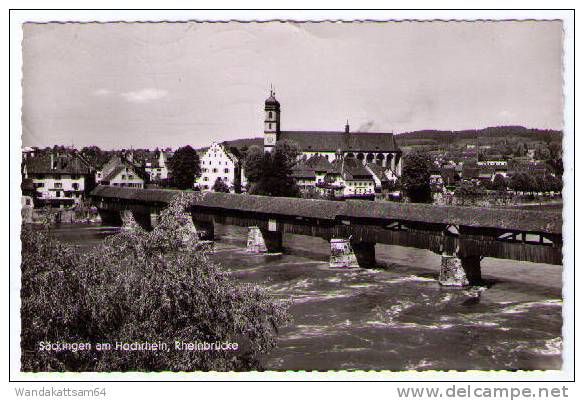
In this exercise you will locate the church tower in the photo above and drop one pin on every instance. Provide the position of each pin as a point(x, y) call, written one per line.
point(271, 121)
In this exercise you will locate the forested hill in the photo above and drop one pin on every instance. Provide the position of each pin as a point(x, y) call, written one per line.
point(509, 132)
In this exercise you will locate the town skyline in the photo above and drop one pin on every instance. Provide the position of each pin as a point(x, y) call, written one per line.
point(136, 85)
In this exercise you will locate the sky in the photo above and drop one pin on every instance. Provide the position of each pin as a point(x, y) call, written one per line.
point(144, 85)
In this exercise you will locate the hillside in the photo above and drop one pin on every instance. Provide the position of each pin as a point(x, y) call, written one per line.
point(508, 132)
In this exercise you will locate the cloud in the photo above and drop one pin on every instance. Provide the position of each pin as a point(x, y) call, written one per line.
point(101, 92)
point(144, 95)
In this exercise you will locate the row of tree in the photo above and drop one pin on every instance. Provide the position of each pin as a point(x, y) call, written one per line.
point(415, 181)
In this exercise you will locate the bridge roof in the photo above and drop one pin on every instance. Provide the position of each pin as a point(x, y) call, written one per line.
point(508, 219)
point(312, 208)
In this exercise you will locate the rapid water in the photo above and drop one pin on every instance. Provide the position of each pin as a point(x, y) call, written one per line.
point(395, 317)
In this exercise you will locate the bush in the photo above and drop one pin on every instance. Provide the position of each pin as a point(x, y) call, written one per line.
point(140, 286)
point(220, 186)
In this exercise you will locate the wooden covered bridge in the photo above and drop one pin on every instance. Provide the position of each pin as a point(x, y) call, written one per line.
point(462, 235)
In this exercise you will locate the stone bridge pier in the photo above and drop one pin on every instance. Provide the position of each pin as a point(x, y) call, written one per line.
point(262, 240)
point(110, 217)
point(460, 265)
point(460, 271)
point(348, 253)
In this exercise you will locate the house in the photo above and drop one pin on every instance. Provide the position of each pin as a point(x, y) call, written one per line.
point(486, 173)
point(470, 171)
point(450, 175)
point(28, 193)
point(365, 147)
point(156, 166)
point(384, 178)
point(341, 178)
point(305, 177)
point(60, 178)
point(436, 176)
point(119, 171)
point(355, 179)
point(493, 161)
point(220, 163)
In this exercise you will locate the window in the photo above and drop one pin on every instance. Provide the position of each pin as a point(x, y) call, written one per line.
point(214, 170)
point(58, 194)
point(270, 115)
point(226, 170)
point(58, 185)
point(205, 178)
point(123, 176)
point(39, 184)
point(75, 186)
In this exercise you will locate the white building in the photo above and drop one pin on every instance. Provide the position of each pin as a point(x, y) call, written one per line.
point(218, 163)
point(120, 172)
point(60, 178)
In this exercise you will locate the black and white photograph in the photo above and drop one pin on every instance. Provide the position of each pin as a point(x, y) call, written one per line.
point(292, 196)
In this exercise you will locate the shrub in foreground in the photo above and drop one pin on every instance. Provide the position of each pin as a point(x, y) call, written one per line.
point(137, 287)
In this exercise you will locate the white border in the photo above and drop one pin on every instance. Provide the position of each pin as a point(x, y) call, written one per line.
point(18, 17)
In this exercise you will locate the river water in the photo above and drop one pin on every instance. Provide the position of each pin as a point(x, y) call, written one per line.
point(395, 317)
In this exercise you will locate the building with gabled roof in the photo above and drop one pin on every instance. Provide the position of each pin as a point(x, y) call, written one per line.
point(119, 171)
point(219, 162)
point(156, 165)
point(60, 178)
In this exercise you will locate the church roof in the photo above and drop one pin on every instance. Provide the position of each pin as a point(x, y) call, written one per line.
point(339, 140)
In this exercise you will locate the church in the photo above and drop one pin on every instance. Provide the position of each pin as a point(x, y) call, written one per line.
point(366, 147)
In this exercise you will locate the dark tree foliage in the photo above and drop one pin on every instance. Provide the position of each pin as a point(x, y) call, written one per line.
point(270, 173)
point(253, 164)
point(220, 186)
point(415, 179)
point(184, 167)
point(140, 286)
point(469, 192)
point(523, 182)
point(499, 183)
point(557, 166)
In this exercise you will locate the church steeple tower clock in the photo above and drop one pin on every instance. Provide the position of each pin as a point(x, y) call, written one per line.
point(271, 121)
